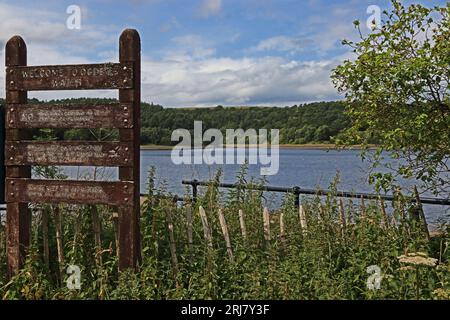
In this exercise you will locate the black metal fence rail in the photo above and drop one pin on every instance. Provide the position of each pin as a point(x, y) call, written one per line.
point(297, 191)
point(174, 198)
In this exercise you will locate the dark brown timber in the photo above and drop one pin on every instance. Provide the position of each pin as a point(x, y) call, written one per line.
point(129, 234)
point(18, 215)
point(22, 152)
point(67, 191)
point(70, 77)
point(74, 153)
point(115, 115)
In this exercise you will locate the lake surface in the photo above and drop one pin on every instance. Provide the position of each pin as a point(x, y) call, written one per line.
point(298, 167)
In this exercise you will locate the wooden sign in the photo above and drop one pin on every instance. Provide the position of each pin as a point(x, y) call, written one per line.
point(69, 153)
point(70, 77)
point(114, 115)
point(22, 152)
point(2, 155)
point(60, 191)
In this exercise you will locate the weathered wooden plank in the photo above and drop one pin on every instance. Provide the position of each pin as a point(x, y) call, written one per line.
point(206, 229)
point(70, 77)
point(266, 224)
point(114, 115)
point(74, 153)
point(226, 235)
point(189, 231)
point(172, 243)
point(282, 228)
point(303, 221)
point(117, 193)
point(242, 224)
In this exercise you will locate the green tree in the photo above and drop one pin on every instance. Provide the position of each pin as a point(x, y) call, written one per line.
point(322, 133)
point(397, 89)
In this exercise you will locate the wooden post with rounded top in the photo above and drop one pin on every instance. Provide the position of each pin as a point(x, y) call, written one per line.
point(129, 234)
point(18, 216)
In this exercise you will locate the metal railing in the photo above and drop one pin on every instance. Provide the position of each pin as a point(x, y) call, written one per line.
point(297, 191)
point(174, 198)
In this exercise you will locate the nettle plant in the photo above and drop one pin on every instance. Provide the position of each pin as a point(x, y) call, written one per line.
point(397, 92)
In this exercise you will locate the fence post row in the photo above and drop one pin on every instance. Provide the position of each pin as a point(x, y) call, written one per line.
point(21, 152)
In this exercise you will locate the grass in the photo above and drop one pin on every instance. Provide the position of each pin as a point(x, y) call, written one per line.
point(328, 260)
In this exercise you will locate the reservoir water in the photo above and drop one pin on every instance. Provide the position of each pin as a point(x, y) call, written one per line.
point(306, 168)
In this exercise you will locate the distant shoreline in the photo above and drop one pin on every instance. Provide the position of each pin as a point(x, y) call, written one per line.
point(323, 146)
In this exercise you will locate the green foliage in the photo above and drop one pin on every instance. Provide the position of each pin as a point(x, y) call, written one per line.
point(326, 262)
point(397, 90)
point(308, 123)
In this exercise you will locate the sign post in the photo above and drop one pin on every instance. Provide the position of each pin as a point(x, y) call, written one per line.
point(129, 233)
point(21, 152)
point(2, 155)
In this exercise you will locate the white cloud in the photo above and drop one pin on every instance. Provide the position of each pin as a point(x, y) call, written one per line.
point(321, 34)
point(169, 25)
point(283, 43)
point(326, 28)
point(332, 34)
point(245, 81)
point(209, 7)
point(188, 47)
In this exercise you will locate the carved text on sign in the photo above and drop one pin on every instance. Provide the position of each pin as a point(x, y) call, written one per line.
point(70, 77)
point(67, 191)
point(69, 153)
point(114, 115)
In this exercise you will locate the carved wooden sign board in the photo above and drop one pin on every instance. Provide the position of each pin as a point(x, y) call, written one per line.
point(21, 152)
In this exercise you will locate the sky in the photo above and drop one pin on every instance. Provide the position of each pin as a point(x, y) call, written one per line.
point(198, 53)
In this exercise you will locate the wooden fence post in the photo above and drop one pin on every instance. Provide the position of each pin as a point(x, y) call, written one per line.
point(282, 228)
point(226, 235)
point(206, 228)
point(421, 214)
point(189, 230)
point(18, 214)
point(97, 228)
point(342, 216)
point(115, 221)
point(59, 239)
point(242, 224)
point(303, 221)
point(363, 208)
point(172, 244)
point(44, 222)
point(266, 222)
point(383, 212)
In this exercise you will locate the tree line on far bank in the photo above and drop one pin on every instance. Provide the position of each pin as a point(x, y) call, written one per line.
point(318, 122)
